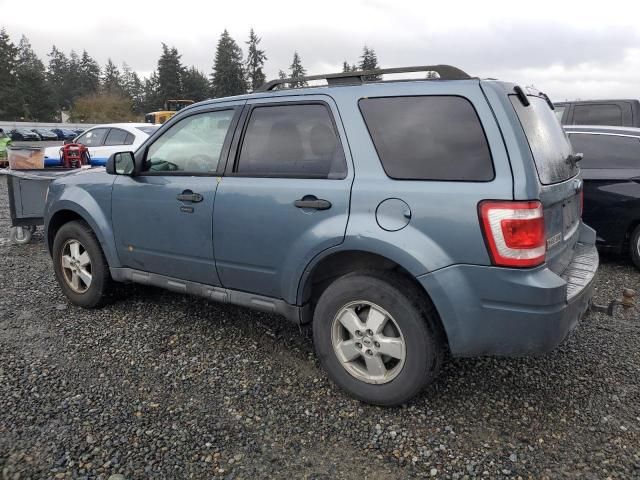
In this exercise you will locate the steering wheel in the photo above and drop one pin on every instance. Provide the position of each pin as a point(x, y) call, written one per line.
point(200, 163)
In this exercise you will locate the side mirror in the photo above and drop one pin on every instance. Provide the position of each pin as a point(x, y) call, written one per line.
point(121, 163)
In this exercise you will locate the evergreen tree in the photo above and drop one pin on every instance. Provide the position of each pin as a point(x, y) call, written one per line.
point(89, 74)
point(297, 70)
point(57, 74)
point(228, 75)
point(33, 90)
point(152, 101)
point(170, 71)
point(133, 88)
point(10, 101)
point(255, 62)
point(73, 82)
point(281, 74)
point(112, 79)
point(346, 67)
point(195, 85)
point(369, 61)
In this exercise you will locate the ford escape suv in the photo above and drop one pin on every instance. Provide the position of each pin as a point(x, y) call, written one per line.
point(404, 219)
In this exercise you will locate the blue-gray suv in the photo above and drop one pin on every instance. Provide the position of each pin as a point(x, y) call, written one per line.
point(403, 219)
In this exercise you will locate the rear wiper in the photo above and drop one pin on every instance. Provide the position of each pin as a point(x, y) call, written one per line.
point(574, 158)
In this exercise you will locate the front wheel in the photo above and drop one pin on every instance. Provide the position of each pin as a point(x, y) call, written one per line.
point(377, 337)
point(80, 266)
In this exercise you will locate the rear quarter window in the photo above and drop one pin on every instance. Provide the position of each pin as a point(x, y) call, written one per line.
point(428, 138)
point(606, 151)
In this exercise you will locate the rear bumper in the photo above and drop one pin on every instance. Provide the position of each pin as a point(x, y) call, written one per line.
point(511, 312)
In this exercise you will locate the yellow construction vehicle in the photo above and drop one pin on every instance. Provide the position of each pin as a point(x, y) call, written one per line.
point(171, 107)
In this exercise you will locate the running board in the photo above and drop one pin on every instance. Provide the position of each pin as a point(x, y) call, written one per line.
point(210, 292)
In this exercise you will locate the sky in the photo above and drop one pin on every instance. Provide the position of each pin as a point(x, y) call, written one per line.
point(568, 49)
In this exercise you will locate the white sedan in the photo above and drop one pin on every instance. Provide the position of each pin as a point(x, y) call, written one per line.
point(103, 140)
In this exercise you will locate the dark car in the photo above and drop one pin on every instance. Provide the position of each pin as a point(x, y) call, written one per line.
point(23, 135)
point(79, 130)
point(611, 175)
point(619, 113)
point(64, 133)
point(45, 134)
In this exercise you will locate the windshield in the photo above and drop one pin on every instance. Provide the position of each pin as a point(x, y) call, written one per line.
point(148, 130)
point(548, 142)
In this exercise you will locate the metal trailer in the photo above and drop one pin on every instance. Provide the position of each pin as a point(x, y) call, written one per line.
point(27, 191)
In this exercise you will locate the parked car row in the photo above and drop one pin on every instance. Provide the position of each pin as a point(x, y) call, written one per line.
point(43, 134)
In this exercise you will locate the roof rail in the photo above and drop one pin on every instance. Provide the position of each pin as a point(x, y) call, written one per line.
point(445, 72)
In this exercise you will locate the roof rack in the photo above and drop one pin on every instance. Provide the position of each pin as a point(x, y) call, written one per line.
point(445, 72)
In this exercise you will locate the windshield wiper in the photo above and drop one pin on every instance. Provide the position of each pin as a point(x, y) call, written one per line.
point(574, 158)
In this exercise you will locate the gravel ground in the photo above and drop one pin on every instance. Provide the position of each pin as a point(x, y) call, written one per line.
point(158, 385)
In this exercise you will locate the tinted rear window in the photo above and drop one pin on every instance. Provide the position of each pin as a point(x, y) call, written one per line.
point(297, 140)
point(600, 114)
point(549, 144)
point(606, 151)
point(428, 138)
point(148, 130)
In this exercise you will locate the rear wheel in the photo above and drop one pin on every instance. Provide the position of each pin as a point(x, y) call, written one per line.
point(80, 266)
point(634, 246)
point(377, 337)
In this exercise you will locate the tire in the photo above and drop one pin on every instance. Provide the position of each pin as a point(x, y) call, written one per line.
point(409, 317)
point(20, 235)
point(634, 247)
point(87, 292)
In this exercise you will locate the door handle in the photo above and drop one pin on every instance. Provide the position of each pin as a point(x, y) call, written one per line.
point(189, 196)
point(311, 201)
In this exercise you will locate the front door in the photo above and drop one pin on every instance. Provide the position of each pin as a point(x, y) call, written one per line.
point(162, 217)
point(285, 195)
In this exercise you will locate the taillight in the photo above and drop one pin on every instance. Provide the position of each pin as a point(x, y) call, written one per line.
point(514, 232)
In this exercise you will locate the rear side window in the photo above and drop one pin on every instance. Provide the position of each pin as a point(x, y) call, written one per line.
point(291, 141)
point(606, 151)
point(428, 138)
point(116, 137)
point(549, 144)
point(600, 114)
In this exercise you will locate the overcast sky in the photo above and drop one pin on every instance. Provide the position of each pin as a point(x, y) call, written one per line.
point(565, 48)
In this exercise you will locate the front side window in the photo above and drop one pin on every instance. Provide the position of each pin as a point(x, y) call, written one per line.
point(597, 114)
point(93, 138)
point(606, 151)
point(291, 141)
point(428, 138)
point(192, 145)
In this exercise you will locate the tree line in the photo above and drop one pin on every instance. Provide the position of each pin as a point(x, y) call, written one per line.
point(77, 84)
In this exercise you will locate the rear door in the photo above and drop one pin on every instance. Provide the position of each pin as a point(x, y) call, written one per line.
point(558, 174)
point(285, 194)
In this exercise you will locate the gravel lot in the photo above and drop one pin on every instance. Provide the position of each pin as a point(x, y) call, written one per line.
point(158, 385)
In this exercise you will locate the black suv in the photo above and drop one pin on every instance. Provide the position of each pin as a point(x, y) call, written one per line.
point(619, 113)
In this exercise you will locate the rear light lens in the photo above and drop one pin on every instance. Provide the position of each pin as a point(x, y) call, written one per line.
point(514, 232)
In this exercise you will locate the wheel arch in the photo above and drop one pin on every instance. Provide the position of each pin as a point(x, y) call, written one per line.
point(319, 275)
point(94, 217)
